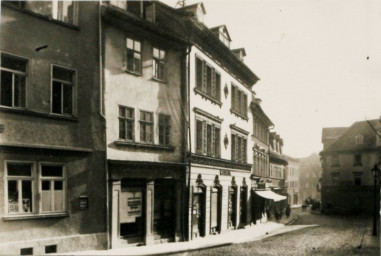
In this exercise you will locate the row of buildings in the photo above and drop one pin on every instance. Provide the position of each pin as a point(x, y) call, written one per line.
point(128, 123)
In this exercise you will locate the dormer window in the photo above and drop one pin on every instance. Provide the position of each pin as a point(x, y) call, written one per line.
point(222, 33)
point(359, 139)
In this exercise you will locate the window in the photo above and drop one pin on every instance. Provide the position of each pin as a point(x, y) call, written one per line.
point(119, 3)
point(159, 63)
point(52, 188)
point(357, 160)
point(65, 11)
point(239, 102)
point(134, 56)
point(357, 180)
point(261, 165)
point(359, 139)
point(238, 150)
point(335, 160)
point(207, 138)
point(335, 178)
point(20, 188)
point(13, 81)
point(208, 80)
point(146, 127)
point(126, 123)
point(62, 90)
point(164, 129)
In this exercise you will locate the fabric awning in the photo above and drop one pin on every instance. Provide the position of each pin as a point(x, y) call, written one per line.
point(268, 194)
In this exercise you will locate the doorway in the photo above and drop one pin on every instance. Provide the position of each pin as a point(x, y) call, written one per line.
point(243, 206)
point(198, 212)
point(215, 209)
point(232, 207)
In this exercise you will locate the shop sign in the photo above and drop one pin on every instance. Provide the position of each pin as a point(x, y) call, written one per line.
point(131, 206)
point(225, 173)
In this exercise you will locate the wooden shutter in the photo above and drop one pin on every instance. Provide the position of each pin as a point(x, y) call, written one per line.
point(213, 83)
point(233, 97)
point(199, 137)
point(217, 141)
point(233, 147)
point(244, 105)
point(204, 137)
point(218, 85)
point(204, 76)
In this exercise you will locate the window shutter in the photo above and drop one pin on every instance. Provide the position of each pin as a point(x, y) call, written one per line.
point(213, 83)
point(204, 76)
point(217, 142)
point(244, 105)
point(237, 100)
point(213, 143)
point(233, 97)
point(218, 86)
point(233, 147)
point(204, 137)
point(199, 136)
point(236, 148)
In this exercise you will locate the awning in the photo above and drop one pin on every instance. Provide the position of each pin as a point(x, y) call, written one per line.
point(268, 194)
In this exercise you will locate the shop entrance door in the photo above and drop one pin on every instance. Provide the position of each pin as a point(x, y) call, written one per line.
point(243, 206)
point(232, 207)
point(198, 212)
point(215, 210)
point(164, 209)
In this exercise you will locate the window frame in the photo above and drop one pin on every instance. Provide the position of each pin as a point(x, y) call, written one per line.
point(240, 147)
point(126, 120)
point(24, 74)
point(239, 101)
point(359, 139)
point(357, 160)
point(212, 91)
point(213, 145)
point(134, 39)
point(163, 61)
point(32, 178)
point(145, 123)
point(166, 129)
point(74, 90)
point(52, 179)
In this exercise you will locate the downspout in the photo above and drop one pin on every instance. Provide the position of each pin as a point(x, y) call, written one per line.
point(101, 104)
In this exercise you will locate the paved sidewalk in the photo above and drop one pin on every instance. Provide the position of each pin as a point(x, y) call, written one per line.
point(252, 233)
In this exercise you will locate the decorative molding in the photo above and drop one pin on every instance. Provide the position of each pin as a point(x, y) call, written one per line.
point(216, 181)
point(217, 162)
point(226, 90)
point(206, 114)
point(206, 96)
point(244, 182)
point(226, 141)
point(199, 180)
point(144, 146)
point(18, 146)
point(240, 130)
point(239, 115)
point(234, 184)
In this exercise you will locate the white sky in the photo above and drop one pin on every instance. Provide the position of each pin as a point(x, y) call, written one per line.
point(311, 57)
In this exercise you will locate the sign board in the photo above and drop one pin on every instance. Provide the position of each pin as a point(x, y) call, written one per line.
point(225, 172)
point(131, 205)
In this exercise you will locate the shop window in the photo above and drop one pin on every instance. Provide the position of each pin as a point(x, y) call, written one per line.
point(159, 64)
point(146, 127)
point(65, 11)
point(13, 72)
point(126, 123)
point(134, 56)
point(164, 129)
point(62, 90)
point(357, 160)
point(52, 188)
point(20, 188)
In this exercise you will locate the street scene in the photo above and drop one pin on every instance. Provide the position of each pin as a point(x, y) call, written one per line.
point(186, 127)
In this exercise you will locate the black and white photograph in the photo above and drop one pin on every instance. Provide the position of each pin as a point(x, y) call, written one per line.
point(190, 127)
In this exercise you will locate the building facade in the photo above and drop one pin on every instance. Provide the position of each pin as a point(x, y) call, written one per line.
point(278, 164)
point(52, 148)
point(347, 181)
point(292, 181)
point(310, 177)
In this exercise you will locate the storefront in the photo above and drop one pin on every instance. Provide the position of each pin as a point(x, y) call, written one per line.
point(146, 205)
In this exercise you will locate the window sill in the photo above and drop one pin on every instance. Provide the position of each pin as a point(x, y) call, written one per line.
point(23, 111)
point(35, 216)
point(132, 72)
point(159, 80)
point(239, 115)
point(43, 17)
point(204, 95)
point(144, 146)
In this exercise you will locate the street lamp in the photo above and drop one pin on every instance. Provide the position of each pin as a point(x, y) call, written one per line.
point(376, 173)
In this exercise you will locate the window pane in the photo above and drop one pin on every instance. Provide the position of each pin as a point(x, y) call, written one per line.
point(58, 185)
point(67, 99)
point(199, 73)
point(16, 169)
point(41, 7)
point(63, 74)
point(58, 200)
point(199, 135)
point(208, 80)
point(130, 43)
point(13, 63)
point(45, 185)
point(6, 89)
point(51, 171)
point(217, 141)
point(233, 147)
point(56, 98)
point(122, 111)
point(137, 62)
point(218, 86)
point(65, 11)
point(20, 96)
point(130, 60)
point(161, 74)
point(155, 53)
point(46, 196)
point(209, 139)
point(161, 135)
point(27, 195)
point(122, 129)
point(13, 197)
point(130, 128)
point(137, 46)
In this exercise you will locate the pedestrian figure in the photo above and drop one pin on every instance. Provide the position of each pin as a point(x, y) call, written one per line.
point(288, 210)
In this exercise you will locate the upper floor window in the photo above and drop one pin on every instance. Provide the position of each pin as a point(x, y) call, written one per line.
point(164, 129)
point(134, 56)
point(357, 160)
point(239, 101)
point(260, 130)
point(13, 81)
point(359, 139)
point(335, 178)
point(159, 63)
point(208, 80)
point(65, 11)
point(63, 91)
point(126, 123)
point(146, 126)
point(207, 138)
point(335, 160)
point(239, 145)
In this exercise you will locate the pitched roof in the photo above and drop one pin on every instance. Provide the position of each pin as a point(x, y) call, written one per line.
point(369, 129)
point(333, 132)
point(224, 28)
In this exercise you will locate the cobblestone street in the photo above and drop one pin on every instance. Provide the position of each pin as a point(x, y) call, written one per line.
point(334, 235)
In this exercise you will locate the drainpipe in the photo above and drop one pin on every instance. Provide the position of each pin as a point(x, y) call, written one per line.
point(101, 104)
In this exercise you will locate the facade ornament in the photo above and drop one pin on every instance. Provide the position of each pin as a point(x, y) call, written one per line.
point(233, 182)
point(244, 182)
point(199, 180)
point(226, 90)
point(226, 141)
point(216, 181)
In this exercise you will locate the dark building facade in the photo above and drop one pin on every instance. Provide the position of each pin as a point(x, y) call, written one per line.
point(52, 148)
point(347, 160)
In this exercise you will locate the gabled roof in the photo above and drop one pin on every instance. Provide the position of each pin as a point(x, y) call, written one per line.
point(240, 50)
point(332, 132)
point(224, 28)
point(191, 6)
point(369, 129)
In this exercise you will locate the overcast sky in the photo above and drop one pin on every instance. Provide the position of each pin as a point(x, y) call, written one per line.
point(319, 61)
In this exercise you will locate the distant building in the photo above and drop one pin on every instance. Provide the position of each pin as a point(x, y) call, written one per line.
point(278, 164)
point(310, 174)
point(292, 180)
point(347, 159)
